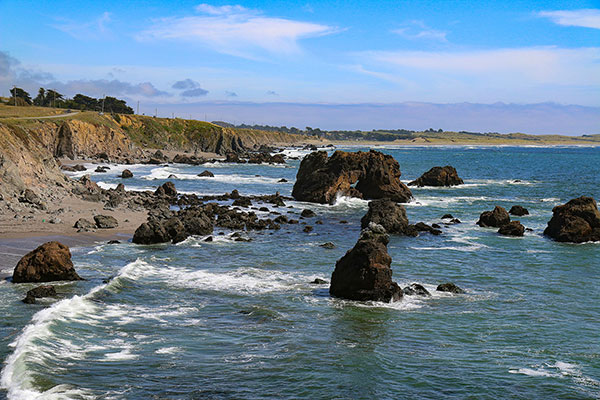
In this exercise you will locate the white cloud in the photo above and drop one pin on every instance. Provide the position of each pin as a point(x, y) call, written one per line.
point(587, 18)
point(237, 31)
point(419, 30)
point(94, 29)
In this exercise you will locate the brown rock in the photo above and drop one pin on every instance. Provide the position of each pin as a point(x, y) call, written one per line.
point(49, 262)
point(513, 228)
point(576, 221)
point(390, 215)
point(126, 174)
point(519, 211)
point(438, 176)
point(495, 218)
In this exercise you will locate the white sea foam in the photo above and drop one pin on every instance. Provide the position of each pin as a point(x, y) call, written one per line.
point(562, 370)
point(165, 172)
point(168, 350)
point(472, 183)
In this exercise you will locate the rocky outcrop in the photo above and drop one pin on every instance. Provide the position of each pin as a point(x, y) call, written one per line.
point(513, 228)
point(438, 176)
point(38, 293)
point(321, 179)
point(495, 218)
point(577, 221)
point(416, 289)
point(206, 174)
point(390, 215)
point(423, 227)
point(49, 262)
point(519, 211)
point(449, 288)
point(364, 272)
point(106, 222)
point(126, 174)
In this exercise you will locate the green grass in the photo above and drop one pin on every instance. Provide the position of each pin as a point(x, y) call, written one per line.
point(7, 111)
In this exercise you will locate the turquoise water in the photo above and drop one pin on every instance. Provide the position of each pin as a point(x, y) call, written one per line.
point(225, 320)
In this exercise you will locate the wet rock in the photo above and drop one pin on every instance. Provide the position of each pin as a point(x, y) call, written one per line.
point(577, 221)
point(126, 174)
point(416, 289)
point(438, 176)
point(447, 216)
point(306, 213)
point(390, 215)
point(49, 262)
point(208, 239)
point(450, 288)
point(495, 218)
point(319, 281)
point(79, 168)
point(423, 227)
point(106, 221)
point(242, 202)
point(308, 229)
point(38, 293)
point(321, 179)
point(206, 173)
point(282, 180)
point(166, 189)
point(364, 272)
point(100, 170)
point(513, 228)
point(150, 233)
point(327, 245)
point(519, 211)
point(113, 242)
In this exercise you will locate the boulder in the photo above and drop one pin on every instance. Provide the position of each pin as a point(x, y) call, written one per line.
point(84, 224)
point(364, 272)
point(166, 189)
point(321, 179)
point(49, 262)
point(390, 215)
point(39, 292)
point(423, 227)
point(150, 233)
point(307, 229)
point(126, 174)
point(187, 222)
point(207, 174)
point(416, 289)
point(306, 213)
point(577, 221)
point(30, 197)
point(513, 228)
point(105, 221)
point(242, 202)
point(328, 245)
point(495, 218)
point(438, 176)
point(319, 281)
point(450, 288)
point(519, 211)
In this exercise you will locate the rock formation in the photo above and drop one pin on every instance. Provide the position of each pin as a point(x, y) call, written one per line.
point(438, 176)
point(390, 215)
point(519, 211)
point(321, 179)
point(39, 292)
point(513, 228)
point(126, 174)
point(576, 221)
point(495, 218)
point(364, 272)
point(450, 288)
point(49, 262)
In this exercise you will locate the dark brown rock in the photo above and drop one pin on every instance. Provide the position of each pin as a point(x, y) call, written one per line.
point(126, 174)
point(84, 224)
point(39, 292)
point(495, 218)
point(49, 262)
point(106, 221)
point(519, 211)
point(207, 174)
point(319, 281)
point(321, 179)
point(166, 189)
point(577, 221)
point(450, 288)
point(438, 176)
point(513, 228)
point(306, 213)
point(390, 215)
point(328, 245)
point(364, 272)
point(416, 289)
point(423, 227)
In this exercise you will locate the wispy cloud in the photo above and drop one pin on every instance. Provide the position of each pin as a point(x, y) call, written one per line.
point(186, 84)
point(419, 30)
point(586, 18)
point(198, 92)
point(97, 28)
point(237, 31)
point(230, 94)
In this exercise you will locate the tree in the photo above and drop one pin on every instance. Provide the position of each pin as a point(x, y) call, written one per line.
point(40, 99)
point(22, 97)
point(53, 98)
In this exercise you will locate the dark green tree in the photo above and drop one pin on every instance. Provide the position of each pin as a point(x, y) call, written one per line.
point(20, 94)
point(40, 99)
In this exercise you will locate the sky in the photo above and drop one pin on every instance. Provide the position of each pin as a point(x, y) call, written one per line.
point(347, 64)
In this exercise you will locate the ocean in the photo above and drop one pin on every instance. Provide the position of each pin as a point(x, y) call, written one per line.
point(242, 320)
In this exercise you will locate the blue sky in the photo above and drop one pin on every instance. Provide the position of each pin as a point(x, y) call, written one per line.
point(331, 52)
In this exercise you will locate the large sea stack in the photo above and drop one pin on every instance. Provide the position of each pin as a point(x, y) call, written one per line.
point(577, 221)
point(364, 272)
point(376, 175)
point(49, 262)
point(438, 176)
point(390, 215)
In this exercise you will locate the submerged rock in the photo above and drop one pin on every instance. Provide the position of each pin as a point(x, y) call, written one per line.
point(49, 262)
point(513, 228)
point(328, 245)
point(390, 215)
point(577, 221)
point(423, 227)
point(321, 179)
point(519, 211)
point(319, 281)
point(364, 272)
point(39, 292)
point(438, 176)
point(495, 218)
point(450, 288)
point(306, 213)
point(207, 174)
point(416, 289)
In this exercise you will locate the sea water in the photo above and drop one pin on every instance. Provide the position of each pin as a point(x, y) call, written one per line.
point(241, 320)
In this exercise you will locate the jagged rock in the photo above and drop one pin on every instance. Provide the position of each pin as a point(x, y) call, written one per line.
point(207, 174)
point(438, 176)
point(120, 188)
point(79, 167)
point(187, 222)
point(319, 281)
point(106, 221)
point(282, 180)
point(30, 197)
point(306, 213)
point(423, 227)
point(49, 262)
point(416, 289)
point(308, 229)
point(281, 219)
point(390, 215)
point(495, 218)
point(327, 245)
point(449, 287)
point(101, 169)
point(234, 194)
point(242, 202)
point(364, 272)
point(185, 159)
point(39, 292)
point(519, 211)
point(447, 216)
point(577, 221)
point(150, 233)
point(166, 189)
point(233, 158)
point(113, 242)
point(126, 174)
point(513, 228)
point(321, 179)
point(84, 224)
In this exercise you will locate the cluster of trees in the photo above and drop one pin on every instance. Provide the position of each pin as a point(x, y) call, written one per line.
point(51, 98)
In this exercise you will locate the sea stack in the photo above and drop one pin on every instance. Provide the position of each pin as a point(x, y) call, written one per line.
point(438, 176)
point(577, 221)
point(49, 262)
